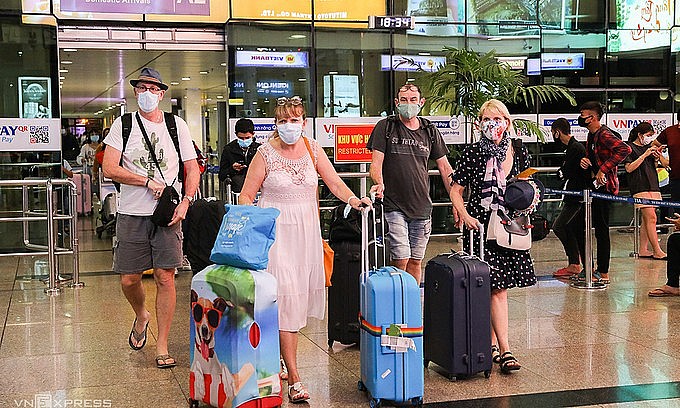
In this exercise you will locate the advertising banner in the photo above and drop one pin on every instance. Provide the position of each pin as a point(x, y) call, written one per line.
point(410, 63)
point(452, 129)
point(180, 7)
point(272, 59)
point(330, 10)
point(350, 143)
point(30, 135)
point(641, 24)
point(35, 99)
point(579, 133)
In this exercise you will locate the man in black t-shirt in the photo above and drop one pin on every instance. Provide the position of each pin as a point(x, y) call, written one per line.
point(401, 148)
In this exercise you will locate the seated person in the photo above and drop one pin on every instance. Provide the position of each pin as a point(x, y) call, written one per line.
point(672, 286)
point(238, 154)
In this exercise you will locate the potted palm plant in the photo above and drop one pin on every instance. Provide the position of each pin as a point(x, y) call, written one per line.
point(469, 79)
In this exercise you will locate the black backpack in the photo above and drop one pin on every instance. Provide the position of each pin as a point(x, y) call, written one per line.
point(126, 121)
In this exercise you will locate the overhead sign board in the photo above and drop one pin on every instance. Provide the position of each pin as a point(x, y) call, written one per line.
point(264, 88)
point(411, 63)
point(272, 59)
point(30, 135)
point(180, 7)
point(562, 60)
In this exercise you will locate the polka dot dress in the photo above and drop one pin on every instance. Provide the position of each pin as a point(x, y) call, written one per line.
point(510, 268)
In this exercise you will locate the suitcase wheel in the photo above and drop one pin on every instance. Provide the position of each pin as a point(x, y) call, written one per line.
point(193, 403)
point(417, 401)
point(361, 386)
point(375, 403)
point(330, 343)
point(487, 373)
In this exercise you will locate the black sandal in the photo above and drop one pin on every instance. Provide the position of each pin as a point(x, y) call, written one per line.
point(509, 363)
point(495, 354)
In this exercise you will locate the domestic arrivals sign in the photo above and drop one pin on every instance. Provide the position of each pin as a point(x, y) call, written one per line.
point(350, 143)
point(181, 7)
point(30, 135)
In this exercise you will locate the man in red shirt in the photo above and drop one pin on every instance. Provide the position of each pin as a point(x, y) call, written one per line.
point(604, 152)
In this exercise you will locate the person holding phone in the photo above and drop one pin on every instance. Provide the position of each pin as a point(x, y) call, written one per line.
point(238, 154)
point(643, 182)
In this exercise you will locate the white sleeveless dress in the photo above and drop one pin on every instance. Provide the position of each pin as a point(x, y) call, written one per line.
point(296, 258)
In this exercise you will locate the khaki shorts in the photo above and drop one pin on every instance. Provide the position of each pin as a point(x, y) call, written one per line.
point(651, 195)
point(142, 245)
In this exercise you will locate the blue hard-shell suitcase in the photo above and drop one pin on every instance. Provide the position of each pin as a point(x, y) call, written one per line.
point(391, 330)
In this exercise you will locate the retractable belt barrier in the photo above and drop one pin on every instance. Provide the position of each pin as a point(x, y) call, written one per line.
point(587, 200)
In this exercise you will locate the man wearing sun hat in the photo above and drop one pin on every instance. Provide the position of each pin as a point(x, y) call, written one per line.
point(141, 243)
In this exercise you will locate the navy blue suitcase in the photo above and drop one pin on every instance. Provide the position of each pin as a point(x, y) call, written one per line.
point(457, 321)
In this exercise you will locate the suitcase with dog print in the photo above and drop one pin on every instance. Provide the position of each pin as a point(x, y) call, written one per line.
point(391, 329)
point(458, 313)
point(234, 339)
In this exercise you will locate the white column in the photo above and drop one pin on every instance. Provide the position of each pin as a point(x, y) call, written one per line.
point(192, 114)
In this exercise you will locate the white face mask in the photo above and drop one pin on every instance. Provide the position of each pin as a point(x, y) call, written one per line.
point(289, 132)
point(147, 101)
point(647, 140)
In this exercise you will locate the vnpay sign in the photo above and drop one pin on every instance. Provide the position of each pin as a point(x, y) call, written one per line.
point(25, 135)
point(271, 59)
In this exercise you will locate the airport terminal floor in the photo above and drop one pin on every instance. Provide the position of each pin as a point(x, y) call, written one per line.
point(615, 347)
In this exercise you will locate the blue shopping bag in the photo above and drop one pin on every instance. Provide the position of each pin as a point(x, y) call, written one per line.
point(246, 234)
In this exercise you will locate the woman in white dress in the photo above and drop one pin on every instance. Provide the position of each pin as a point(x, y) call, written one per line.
point(286, 174)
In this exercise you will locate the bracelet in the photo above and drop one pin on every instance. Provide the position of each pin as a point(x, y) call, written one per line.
point(351, 197)
point(147, 182)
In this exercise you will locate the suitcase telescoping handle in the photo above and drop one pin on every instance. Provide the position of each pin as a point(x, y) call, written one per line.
point(378, 224)
point(480, 226)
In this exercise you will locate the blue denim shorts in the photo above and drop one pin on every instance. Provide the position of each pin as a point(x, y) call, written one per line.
point(407, 237)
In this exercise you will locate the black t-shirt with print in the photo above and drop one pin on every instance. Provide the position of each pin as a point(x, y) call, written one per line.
point(644, 178)
point(407, 185)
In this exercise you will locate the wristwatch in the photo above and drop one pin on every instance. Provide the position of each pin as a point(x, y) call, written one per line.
point(191, 199)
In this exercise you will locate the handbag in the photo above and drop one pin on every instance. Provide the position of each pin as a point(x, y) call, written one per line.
point(169, 199)
point(328, 253)
point(245, 237)
point(512, 233)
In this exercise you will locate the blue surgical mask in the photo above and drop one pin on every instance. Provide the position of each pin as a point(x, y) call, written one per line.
point(94, 138)
point(244, 143)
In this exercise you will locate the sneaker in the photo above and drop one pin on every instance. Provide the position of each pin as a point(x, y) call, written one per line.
point(563, 273)
point(186, 265)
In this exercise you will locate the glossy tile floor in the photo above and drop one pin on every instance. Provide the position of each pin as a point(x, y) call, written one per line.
point(616, 347)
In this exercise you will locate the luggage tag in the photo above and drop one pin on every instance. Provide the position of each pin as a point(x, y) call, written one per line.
point(395, 341)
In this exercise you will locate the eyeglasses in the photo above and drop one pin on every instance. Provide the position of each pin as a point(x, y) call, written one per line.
point(153, 89)
point(294, 100)
point(213, 315)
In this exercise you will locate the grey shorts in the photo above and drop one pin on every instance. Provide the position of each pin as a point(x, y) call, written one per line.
point(407, 237)
point(142, 245)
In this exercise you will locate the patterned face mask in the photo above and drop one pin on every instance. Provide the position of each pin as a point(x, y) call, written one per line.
point(493, 130)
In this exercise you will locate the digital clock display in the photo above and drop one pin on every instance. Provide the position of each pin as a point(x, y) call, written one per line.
point(391, 22)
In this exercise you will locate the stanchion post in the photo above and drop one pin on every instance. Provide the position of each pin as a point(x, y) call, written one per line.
point(53, 279)
point(588, 267)
point(636, 233)
point(75, 246)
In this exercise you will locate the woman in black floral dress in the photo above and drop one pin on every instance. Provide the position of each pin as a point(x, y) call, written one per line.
point(483, 169)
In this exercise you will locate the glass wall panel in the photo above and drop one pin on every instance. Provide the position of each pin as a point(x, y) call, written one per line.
point(351, 80)
point(487, 11)
point(269, 61)
point(644, 67)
